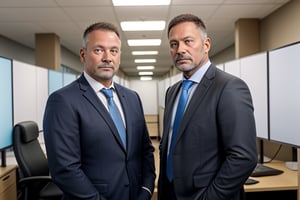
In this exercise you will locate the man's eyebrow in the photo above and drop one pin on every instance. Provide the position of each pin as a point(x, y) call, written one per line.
point(115, 47)
point(173, 40)
point(101, 46)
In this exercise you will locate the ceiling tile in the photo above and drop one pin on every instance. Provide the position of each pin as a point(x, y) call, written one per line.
point(20, 20)
point(27, 3)
point(84, 3)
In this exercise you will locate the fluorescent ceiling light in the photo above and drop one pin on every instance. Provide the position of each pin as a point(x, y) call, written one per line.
point(145, 73)
point(144, 42)
point(143, 25)
point(140, 2)
point(145, 67)
point(146, 78)
point(144, 52)
point(145, 60)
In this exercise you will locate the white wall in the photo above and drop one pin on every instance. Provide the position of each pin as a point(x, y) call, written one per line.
point(148, 93)
point(30, 92)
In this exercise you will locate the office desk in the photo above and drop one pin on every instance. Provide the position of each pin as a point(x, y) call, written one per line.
point(288, 180)
point(8, 187)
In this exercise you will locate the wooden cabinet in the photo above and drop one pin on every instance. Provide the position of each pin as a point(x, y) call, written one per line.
point(152, 125)
point(8, 186)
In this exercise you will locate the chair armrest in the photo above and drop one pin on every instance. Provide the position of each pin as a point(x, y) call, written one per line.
point(33, 179)
point(49, 191)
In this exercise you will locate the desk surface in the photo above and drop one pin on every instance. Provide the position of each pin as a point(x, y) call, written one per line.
point(288, 180)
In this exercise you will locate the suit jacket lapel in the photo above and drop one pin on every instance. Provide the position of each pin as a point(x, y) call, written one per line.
point(90, 95)
point(172, 92)
point(196, 99)
point(123, 101)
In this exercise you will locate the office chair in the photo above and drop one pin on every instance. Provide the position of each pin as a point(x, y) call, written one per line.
point(34, 182)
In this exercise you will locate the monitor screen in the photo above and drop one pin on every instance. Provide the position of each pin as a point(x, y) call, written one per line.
point(6, 114)
point(284, 94)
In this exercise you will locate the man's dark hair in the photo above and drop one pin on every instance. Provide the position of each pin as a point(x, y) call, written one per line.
point(105, 26)
point(187, 18)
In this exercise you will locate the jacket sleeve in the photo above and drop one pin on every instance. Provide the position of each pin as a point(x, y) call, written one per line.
point(238, 139)
point(62, 139)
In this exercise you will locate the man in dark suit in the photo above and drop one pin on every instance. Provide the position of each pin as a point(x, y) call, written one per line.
point(88, 159)
point(212, 149)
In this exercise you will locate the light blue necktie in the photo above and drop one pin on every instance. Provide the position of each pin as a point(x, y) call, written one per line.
point(115, 114)
point(186, 84)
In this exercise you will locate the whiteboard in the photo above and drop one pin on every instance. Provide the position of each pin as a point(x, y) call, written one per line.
point(284, 92)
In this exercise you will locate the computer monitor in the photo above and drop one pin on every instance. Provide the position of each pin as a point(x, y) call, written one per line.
point(6, 107)
point(284, 94)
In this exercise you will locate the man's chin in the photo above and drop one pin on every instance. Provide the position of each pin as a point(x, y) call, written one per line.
point(185, 68)
point(105, 75)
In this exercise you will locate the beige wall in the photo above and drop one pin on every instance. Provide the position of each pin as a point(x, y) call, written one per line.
point(247, 37)
point(282, 27)
point(224, 56)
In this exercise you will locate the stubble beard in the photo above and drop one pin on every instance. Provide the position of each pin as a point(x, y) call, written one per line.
point(185, 69)
point(106, 76)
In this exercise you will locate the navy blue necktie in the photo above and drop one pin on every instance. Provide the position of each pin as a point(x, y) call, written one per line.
point(115, 114)
point(186, 84)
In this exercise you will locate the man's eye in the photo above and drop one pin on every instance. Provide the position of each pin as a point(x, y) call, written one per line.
point(98, 51)
point(173, 44)
point(114, 51)
point(188, 41)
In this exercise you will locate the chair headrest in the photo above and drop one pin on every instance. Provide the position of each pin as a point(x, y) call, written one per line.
point(29, 130)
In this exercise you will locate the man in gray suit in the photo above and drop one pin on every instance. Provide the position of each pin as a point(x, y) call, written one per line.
point(91, 156)
point(210, 151)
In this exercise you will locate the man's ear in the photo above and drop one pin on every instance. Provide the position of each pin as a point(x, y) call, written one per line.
point(207, 45)
point(82, 55)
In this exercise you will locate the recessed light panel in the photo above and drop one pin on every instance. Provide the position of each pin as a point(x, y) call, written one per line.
point(145, 73)
point(143, 25)
point(137, 53)
point(145, 67)
point(140, 2)
point(146, 78)
point(144, 42)
point(145, 60)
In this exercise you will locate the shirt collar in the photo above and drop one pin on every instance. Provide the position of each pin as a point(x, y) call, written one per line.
point(95, 84)
point(198, 75)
